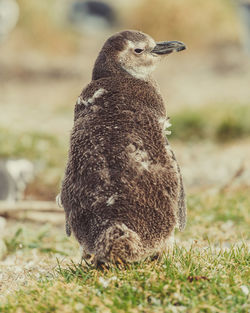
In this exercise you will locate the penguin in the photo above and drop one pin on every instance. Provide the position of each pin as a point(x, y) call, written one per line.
point(122, 190)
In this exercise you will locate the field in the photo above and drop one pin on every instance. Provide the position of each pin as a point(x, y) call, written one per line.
point(207, 272)
point(43, 67)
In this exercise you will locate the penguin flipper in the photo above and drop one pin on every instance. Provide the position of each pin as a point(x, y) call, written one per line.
point(182, 207)
point(67, 224)
point(67, 228)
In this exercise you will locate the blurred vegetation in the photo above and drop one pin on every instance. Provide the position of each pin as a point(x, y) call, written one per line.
point(45, 150)
point(196, 22)
point(39, 27)
point(21, 240)
point(32, 145)
point(221, 123)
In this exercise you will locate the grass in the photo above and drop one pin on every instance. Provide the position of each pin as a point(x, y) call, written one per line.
point(39, 242)
point(207, 272)
point(221, 123)
point(38, 146)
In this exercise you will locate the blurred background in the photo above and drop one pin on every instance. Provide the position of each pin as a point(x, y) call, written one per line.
point(47, 51)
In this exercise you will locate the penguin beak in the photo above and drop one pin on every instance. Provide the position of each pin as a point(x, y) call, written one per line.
point(166, 47)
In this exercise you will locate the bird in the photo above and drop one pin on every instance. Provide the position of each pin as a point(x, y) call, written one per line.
point(122, 190)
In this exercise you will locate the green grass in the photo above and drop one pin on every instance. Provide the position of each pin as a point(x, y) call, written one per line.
point(40, 242)
point(207, 272)
point(36, 146)
point(219, 123)
point(195, 281)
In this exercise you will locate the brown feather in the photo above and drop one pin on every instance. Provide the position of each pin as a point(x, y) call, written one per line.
point(122, 189)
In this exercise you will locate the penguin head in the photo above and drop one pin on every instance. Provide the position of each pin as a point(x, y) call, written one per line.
point(135, 53)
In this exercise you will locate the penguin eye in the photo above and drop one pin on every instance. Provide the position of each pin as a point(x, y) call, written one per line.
point(138, 51)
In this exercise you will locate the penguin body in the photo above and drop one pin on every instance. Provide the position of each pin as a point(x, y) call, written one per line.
point(122, 191)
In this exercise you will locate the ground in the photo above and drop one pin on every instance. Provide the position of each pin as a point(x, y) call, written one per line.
point(207, 272)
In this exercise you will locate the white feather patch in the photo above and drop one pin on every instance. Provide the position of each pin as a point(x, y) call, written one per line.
point(165, 123)
point(111, 200)
point(97, 94)
point(58, 200)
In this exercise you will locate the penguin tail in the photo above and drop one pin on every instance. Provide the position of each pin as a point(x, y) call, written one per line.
point(118, 244)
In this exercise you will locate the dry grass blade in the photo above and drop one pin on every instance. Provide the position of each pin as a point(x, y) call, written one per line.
point(236, 175)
